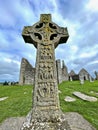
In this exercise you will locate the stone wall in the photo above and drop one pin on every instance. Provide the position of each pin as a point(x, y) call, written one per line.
point(65, 76)
point(62, 71)
point(59, 71)
point(27, 73)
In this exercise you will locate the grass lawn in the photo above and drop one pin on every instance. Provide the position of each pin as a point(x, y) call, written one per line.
point(18, 103)
point(89, 110)
point(19, 100)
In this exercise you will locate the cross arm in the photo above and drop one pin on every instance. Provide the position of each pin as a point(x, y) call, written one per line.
point(26, 34)
point(63, 35)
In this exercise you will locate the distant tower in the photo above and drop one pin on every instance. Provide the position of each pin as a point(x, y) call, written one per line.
point(64, 72)
point(22, 71)
point(59, 71)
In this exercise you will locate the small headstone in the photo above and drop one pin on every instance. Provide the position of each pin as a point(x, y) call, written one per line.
point(59, 91)
point(25, 92)
point(70, 78)
point(3, 98)
point(85, 97)
point(94, 92)
point(91, 91)
point(90, 79)
point(69, 99)
point(81, 80)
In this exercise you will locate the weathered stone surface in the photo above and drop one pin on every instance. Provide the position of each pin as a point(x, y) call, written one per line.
point(77, 122)
point(72, 120)
point(84, 74)
point(57, 122)
point(45, 36)
point(13, 123)
point(85, 97)
point(81, 79)
point(69, 99)
point(27, 73)
point(62, 71)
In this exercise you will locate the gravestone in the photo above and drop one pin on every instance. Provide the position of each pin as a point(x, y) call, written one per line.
point(85, 97)
point(81, 79)
point(90, 79)
point(70, 78)
point(45, 36)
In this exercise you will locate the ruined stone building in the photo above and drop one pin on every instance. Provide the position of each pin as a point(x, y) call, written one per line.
point(27, 72)
point(62, 71)
point(73, 76)
point(84, 74)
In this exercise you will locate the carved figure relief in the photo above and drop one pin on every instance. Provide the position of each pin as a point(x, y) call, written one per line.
point(46, 52)
point(45, 91)
point(45, 71)
point(45, 36)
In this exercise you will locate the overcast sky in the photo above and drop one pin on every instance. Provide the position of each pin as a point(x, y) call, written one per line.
point(79, 16)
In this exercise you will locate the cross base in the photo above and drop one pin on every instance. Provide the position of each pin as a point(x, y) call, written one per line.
point(46, 122)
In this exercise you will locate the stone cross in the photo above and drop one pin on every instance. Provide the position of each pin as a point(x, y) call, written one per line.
point(45, 36)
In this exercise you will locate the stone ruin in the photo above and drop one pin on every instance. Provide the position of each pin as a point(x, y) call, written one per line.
point(84, 74)
point(27, 73)
point(62, 71)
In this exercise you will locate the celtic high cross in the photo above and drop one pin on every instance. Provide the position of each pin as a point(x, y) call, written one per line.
point(45, 36)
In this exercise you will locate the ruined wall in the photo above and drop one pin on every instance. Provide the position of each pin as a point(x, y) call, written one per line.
point(65, 76)
point(27, 73)
point(59, 71)
point(62, 71)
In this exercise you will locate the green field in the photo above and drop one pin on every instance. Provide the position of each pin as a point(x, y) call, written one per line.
point(19, 100)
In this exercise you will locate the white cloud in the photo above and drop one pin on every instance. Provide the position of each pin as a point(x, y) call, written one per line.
point(74, 48)
point(92, 5)
point(8, 60)
point(93, 62)
point(87, 54)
